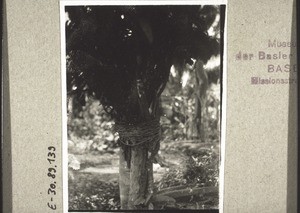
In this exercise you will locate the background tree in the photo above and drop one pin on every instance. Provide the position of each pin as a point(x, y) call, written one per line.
point(122, 56)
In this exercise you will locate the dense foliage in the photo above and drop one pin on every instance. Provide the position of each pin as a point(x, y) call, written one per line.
point(113, 49)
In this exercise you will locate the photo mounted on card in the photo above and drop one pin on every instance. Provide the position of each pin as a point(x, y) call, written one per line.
point(142, 91)
point(128, 106)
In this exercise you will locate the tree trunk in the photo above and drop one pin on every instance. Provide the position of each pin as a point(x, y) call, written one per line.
point(124, 180)
point(197, 118)
point(200, 88)
point(136, 182)
point(138, 177)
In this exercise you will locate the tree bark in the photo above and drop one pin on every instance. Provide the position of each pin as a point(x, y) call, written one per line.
point(124, 180)
point(136, 189)
point(138, 177)
point(136, 182)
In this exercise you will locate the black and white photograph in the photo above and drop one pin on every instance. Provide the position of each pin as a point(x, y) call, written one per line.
point(144, 101)
point(150, 106)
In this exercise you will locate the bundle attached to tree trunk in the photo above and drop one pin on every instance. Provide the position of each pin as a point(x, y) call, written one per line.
point(137, 141)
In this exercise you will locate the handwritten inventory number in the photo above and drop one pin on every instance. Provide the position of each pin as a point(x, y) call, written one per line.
point(52, 175)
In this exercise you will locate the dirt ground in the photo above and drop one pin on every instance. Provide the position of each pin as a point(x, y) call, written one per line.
point(95, 184)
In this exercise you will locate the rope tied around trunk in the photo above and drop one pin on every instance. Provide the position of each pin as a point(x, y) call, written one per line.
point(147, 133)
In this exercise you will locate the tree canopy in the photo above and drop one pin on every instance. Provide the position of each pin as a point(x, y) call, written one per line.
point(120, 53)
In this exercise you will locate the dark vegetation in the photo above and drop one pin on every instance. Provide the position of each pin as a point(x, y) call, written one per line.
point(118, 66)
